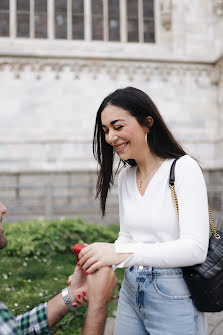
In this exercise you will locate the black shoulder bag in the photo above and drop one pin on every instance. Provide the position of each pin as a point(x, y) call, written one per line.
point(204, 281)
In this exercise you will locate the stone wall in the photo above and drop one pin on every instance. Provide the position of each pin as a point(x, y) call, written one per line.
point(54, 195)
point(51, 89)
point(68, 194)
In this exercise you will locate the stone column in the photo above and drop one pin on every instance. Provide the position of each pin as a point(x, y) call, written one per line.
point(105, 20)
point(140, 21)
point(87, 20)
point(123, 21)
point(69, 19)
point(32, 19)
point(12, 19)
point(51, 19)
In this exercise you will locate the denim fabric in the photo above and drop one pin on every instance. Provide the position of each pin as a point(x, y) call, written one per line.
point(157, 302)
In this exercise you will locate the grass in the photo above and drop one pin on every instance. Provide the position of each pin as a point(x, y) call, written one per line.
point(31, 278)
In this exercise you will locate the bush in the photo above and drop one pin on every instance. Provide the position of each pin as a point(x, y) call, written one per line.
point(57, 236)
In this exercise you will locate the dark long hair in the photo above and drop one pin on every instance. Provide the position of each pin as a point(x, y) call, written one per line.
point(160, 140)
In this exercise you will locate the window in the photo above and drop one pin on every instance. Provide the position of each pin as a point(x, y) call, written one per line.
point(61, 19)
point(148, 20)
point(97, 20)
point(109, 20)
point(4, 18)
point(132, 15)
point(23, 18)
point(40, 11)
point(78, 19)
point(113, 19)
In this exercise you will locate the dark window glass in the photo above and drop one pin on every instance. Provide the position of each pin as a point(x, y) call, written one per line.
point(23, 5)
point(61, 19)
point(97, 19)
point(114, 20)
point(4, 18)
point(4, 5)
point(78, 19)
point(23, 18)
point(148, 8)
point(4, 24)
point(41, 6)
point(148, 16)
point(41, 19)
point(132, 15)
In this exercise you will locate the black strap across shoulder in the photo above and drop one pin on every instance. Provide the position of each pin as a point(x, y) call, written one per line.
point(172, 172)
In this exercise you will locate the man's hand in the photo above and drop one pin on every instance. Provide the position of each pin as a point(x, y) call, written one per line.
point(101, 286)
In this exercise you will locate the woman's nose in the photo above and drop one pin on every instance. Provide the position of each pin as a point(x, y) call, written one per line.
point(3, 208)
point(111, 138)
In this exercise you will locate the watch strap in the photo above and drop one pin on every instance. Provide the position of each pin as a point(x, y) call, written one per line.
point(67, 300)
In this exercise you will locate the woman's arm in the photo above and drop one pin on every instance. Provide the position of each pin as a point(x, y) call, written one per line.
point(191, 246)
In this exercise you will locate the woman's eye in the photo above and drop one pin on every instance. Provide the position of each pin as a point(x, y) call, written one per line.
point(118, 128)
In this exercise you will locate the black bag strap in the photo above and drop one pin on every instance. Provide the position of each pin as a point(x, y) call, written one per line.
point(213, 229)
point(172, 172)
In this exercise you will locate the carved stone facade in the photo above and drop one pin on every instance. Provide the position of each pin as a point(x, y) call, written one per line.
point(51, 89)
point(218, 7)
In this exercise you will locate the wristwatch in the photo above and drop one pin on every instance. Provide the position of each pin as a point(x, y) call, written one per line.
point(67, 300)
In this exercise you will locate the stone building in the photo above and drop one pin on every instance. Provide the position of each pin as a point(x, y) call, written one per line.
point(59, 58)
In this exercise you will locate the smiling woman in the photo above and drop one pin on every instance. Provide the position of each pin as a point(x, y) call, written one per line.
point(152, 245)
point(129, 123)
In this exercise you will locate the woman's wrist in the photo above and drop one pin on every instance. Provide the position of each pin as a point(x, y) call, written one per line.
point(121, 258)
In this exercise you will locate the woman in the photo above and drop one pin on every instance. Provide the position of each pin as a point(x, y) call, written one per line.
point(152, 244)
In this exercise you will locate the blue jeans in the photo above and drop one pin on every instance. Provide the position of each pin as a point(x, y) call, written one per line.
point(156, 301)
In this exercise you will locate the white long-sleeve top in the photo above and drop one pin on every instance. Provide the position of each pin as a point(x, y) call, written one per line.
point(149, 228)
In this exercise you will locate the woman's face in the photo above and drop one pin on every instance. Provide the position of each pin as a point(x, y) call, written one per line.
point(124, 133)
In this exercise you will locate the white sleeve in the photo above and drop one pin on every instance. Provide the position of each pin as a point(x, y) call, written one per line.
point(124, 236)
point(192, 245)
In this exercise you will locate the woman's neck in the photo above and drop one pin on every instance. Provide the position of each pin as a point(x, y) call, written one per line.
point(149, 163)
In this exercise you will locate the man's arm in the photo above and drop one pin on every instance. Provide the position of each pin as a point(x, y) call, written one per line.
point(101, 286)
point(46, 315)
point(56, 308)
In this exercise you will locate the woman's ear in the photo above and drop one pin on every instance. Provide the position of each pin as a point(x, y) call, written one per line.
point(150, 121)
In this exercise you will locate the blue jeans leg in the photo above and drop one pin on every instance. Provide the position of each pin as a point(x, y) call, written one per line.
point(128, 321)
point(157, 302)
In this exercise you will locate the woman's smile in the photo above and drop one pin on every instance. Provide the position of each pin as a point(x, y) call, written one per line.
point(121, 147)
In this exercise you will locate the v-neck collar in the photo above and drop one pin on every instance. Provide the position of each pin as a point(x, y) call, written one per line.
point(151, 180)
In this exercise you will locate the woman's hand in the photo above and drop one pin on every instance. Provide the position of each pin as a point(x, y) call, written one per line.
point(78, 287)
point(98, 255)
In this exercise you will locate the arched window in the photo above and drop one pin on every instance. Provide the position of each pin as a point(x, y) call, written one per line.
point(4, 18)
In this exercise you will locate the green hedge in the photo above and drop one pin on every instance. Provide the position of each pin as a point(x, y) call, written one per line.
point(57, 236)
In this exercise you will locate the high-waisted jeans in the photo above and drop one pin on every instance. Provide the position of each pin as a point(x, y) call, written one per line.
point(157, 302)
